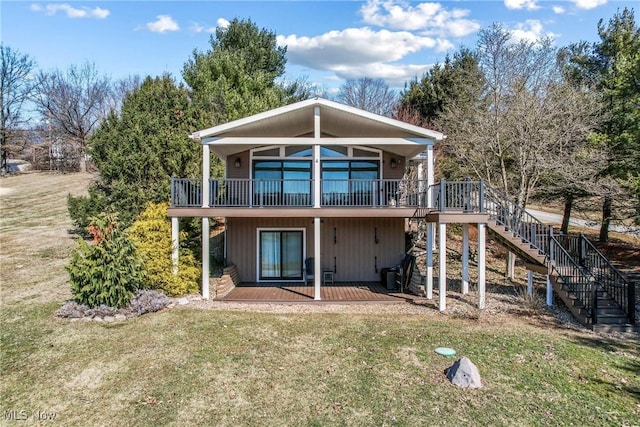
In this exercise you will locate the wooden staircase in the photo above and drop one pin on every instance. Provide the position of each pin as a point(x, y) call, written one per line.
point(595, 292)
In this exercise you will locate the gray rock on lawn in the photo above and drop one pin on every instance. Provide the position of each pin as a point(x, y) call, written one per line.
point(464, 373)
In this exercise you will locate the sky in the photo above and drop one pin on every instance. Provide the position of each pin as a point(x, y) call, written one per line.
point(327, 41)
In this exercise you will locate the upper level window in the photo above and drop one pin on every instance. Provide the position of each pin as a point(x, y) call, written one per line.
point(333, 151)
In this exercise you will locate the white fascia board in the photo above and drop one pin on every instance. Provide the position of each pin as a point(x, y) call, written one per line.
point(216, 130)
point(383, 119)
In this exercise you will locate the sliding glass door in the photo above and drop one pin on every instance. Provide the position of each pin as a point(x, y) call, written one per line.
point(281, 255)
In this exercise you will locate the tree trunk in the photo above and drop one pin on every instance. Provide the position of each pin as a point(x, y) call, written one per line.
point(566, 216)
point(606, 219)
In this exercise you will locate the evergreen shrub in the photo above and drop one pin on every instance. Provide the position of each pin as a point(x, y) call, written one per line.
point(107, 271)
point(151, 232)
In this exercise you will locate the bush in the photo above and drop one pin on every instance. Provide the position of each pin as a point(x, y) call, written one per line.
point(83, 208)
point(108, 271)
point(148, 301)
point(151, 232)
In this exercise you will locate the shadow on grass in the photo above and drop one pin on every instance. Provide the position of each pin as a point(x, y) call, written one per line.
point(628, 348)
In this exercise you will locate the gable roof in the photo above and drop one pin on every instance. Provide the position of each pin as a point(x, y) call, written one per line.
point(336, 120)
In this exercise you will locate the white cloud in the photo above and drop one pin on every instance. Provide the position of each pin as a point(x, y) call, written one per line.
point(162, 24)
point(197, 28)
point(71, 12)
point(589, 4)
point(353, 46)
point(530, 30)
point(358, 52)
point(521, 4)
point(558, 10)
point(428, 18)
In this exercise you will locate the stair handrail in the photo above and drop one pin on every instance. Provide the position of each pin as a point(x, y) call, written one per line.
point(516, 219)
point(617, 286)
point(586, 289)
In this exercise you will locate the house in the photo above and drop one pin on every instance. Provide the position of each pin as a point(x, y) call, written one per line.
point(316, 192)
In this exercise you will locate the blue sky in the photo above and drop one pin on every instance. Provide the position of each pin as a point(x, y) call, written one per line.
point(327, 41)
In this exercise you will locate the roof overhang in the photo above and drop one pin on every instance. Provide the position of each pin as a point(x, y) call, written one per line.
point(340, 124)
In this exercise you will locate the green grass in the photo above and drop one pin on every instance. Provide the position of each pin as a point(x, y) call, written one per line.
point(188, 366)
point(185, 366)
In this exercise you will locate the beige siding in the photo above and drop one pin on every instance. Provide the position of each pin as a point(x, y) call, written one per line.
point(392, 173)
point(242, 240)
point(356, 252)
point(243, 171)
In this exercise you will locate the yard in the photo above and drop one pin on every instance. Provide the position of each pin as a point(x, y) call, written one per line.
point(217, 364)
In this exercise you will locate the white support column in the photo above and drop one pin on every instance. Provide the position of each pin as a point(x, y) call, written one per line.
point(529, 282)
point(465, 259)
point(175, 244)
point(511, 263)
point(442, 266)
point(206, 160)
point(205, 258)
point(481, 265)
point(430, 175)
point(429, 261)
point(317, 196)
point(549, 292)
point(317, 265)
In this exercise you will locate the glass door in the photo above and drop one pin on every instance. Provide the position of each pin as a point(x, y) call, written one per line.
point(281, 254)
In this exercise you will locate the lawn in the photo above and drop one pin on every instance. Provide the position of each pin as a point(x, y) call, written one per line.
point(187, 366)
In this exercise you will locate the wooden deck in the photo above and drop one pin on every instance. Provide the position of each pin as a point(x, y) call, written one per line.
point(348, 292)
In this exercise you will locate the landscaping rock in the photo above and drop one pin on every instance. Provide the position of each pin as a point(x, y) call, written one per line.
point(120, 317)
point(464, 373)
point(183, 301)
point(109, 319)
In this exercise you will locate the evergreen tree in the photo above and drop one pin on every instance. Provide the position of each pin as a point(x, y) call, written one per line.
point(239, 75)
point(137, 151)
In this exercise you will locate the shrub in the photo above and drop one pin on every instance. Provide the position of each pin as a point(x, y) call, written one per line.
point(82, 209)
point(108, 271)
point(151, 232)
point(148, 301)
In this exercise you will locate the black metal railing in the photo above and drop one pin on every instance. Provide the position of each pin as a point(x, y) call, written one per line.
point(575, 278)
point(606, 275)
point(299, 193)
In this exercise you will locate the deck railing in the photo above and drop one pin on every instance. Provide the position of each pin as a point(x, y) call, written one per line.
point(299, 193)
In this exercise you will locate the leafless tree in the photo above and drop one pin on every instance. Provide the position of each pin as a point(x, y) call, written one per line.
point(527, 121)
point(120, 89)
point(373, 95)
point(16, 86)
point(74, 102)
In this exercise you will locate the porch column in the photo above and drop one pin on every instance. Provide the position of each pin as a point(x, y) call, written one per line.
point(317, 262)
point(430, 174)
point(205, 175)
point(549, 291)
point(465, 259)
point(429, 285)
point(529, 282)
point(481, 265)
point(316, 162)
point(175, 244)
point(442, 266)
point(205, 258)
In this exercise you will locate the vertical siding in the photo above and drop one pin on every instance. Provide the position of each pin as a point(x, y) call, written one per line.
point(355, 248)
point(242, 240)
point(243, 171)
point(392, 173)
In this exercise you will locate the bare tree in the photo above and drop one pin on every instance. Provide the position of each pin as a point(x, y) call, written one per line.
point(15, 86)
point(373, 95)
point(527, 120)
point(74, 103)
